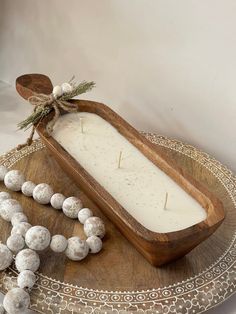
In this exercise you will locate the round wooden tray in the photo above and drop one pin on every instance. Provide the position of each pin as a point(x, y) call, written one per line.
point(119, 279)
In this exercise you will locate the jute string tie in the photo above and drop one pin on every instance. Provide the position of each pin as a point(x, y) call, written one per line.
point(42, 102)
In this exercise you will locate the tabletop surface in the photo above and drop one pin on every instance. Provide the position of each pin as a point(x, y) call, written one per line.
point(12, 110)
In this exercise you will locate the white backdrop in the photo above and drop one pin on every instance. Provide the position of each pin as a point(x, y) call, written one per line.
point(167, 66)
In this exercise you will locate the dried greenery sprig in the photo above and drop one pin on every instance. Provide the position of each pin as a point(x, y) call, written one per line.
point(82, 88)
point(44, 104)
point(34, 118)
point(42, 110)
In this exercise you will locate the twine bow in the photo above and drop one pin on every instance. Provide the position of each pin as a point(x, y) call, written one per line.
point(44, 104)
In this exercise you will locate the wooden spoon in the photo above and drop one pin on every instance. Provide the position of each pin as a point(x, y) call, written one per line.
point(29, 84)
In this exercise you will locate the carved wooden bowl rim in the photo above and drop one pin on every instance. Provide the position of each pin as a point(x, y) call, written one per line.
point(194, 295)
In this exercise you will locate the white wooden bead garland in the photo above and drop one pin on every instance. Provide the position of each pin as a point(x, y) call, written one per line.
point(6, 257)
point(26, 239)
point(26, 279)
point(43, 193)
point(28, 188)
point(16, 301)
point(14, 180)
point(8, 208)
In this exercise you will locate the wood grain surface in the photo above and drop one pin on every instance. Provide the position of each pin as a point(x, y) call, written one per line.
point(119, 265)
point(119, 279)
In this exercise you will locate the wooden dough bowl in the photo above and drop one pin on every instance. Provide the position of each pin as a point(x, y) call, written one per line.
point(157, 248)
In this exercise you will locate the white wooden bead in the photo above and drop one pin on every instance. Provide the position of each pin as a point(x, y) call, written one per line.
point(38, 238)
point(84, 214)
point(6, 257)
point(28, 188)
point(3, 172)
point(8, 208)
point(77, 249)
point(95, 244)
point(16, 301)
point(66, 88)
point(57, 91)
point(14, 180)
point(57, 200)
point(21, 228)
point(26, 279)
point(42, 193)
point(58, 243)
point(71, 207)
point(4, 196)
point(2, 310)
point(27, 259)
point(18, 218)
point(15, 242)
point(94, 226)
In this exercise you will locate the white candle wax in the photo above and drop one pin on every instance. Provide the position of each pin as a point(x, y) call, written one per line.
point(138, 185)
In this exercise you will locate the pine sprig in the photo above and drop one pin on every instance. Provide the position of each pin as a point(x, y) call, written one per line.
point(83, 87)
point(43, 111)
point(34, 118)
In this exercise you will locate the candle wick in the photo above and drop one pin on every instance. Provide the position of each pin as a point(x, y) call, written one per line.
point(81, 125)
point(166, 199)
point(119, 161)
